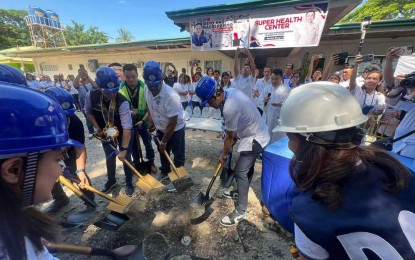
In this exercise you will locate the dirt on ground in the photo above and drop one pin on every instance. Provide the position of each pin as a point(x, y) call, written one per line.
point(162, 219)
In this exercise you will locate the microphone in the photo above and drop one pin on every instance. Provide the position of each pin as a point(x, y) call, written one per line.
point(269, 95)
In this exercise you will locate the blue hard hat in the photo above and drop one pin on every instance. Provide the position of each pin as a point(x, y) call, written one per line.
point(12, 75)
point(152, 73)
point(64, 99)
point(205, 89)
point(107, 80)
point(30, 121)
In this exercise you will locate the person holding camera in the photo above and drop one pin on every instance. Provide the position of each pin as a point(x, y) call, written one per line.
point(171, 77)
point(244, 81)
point(84, 84)
point(395, 94)
point(406, 146)
point(370, 100)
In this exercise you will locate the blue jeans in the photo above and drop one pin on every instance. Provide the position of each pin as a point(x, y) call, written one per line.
point(176, 145)
point(111, 162)
point(244, 170)
point(146, 137)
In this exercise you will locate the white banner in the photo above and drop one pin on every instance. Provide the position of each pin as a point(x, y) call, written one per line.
point(282, 27)
point(293, 26)
point(220, 32)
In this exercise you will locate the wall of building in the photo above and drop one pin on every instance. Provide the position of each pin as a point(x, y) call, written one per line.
point(181, 57)
point(69, 64)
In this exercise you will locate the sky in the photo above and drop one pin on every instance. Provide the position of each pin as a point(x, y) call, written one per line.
point(145, 19)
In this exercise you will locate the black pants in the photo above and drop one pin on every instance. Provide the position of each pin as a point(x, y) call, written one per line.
point(197, 104)
point(76, 101)
point(185, 104)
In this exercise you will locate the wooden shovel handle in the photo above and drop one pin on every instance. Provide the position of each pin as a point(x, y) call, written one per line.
point(218, 169)
point(136, 172)
point(168, 159)
point(70, 186)
point(100, 193)
point(66, 248)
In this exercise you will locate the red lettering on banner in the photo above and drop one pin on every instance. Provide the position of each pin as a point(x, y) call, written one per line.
point(277, 26)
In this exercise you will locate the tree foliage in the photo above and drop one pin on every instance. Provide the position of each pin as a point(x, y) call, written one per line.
point(382, 10)
point(13, 30)
point(124, 36)
point(77, 35)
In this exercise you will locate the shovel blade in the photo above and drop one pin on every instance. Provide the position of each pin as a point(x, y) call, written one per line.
point(197, 207)
point(116, 207)
point(142, 185)
point(123, 199)
point(182, 172)
point(153, 182)
point(173, 176)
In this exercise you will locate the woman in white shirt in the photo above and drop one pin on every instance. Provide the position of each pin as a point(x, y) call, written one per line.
point(225, 82)
point(194, 98)
point(31, 81)
point(182, 88)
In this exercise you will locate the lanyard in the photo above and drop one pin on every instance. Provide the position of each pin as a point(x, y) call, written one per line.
point(110, 129)
point(364, 101)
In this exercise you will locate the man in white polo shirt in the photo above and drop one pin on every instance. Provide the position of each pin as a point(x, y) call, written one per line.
point(167, 116)
point(260, 85)
point(242, 120)
point(245, 81)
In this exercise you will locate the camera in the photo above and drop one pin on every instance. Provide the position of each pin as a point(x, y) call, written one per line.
point(366, 23)
point(408, 82)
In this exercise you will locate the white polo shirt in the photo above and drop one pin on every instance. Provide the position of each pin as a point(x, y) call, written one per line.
point(182, 87)
point(246, 85)
point(260, 85)
point(377, 99)
point(195, 98)
point(406, 146)
point(242, 116)
point(163, 106)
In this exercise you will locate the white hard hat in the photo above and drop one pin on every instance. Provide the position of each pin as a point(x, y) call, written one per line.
point(319, 107)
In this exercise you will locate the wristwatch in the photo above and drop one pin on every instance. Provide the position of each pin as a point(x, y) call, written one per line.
point(123, 149)
point(80, 170)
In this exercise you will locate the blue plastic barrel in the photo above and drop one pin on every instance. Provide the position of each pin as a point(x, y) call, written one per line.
point(53, 19)
point(37, 15)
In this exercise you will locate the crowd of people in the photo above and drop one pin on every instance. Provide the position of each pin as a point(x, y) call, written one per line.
point(322, 115)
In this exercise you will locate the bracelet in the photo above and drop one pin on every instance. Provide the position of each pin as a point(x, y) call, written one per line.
point(224, 157)
point(163, 143)
point(80, 170)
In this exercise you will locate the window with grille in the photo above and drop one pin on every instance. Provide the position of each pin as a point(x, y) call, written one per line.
point(44, 67)
point(215, 64)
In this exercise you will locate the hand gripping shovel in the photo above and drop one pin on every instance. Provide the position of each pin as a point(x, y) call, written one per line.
point(227, 175)
point(202, 201)
point(124, 252)
point(177, 172)
point(78, 193)
point(116, 204)
point(146, 182)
